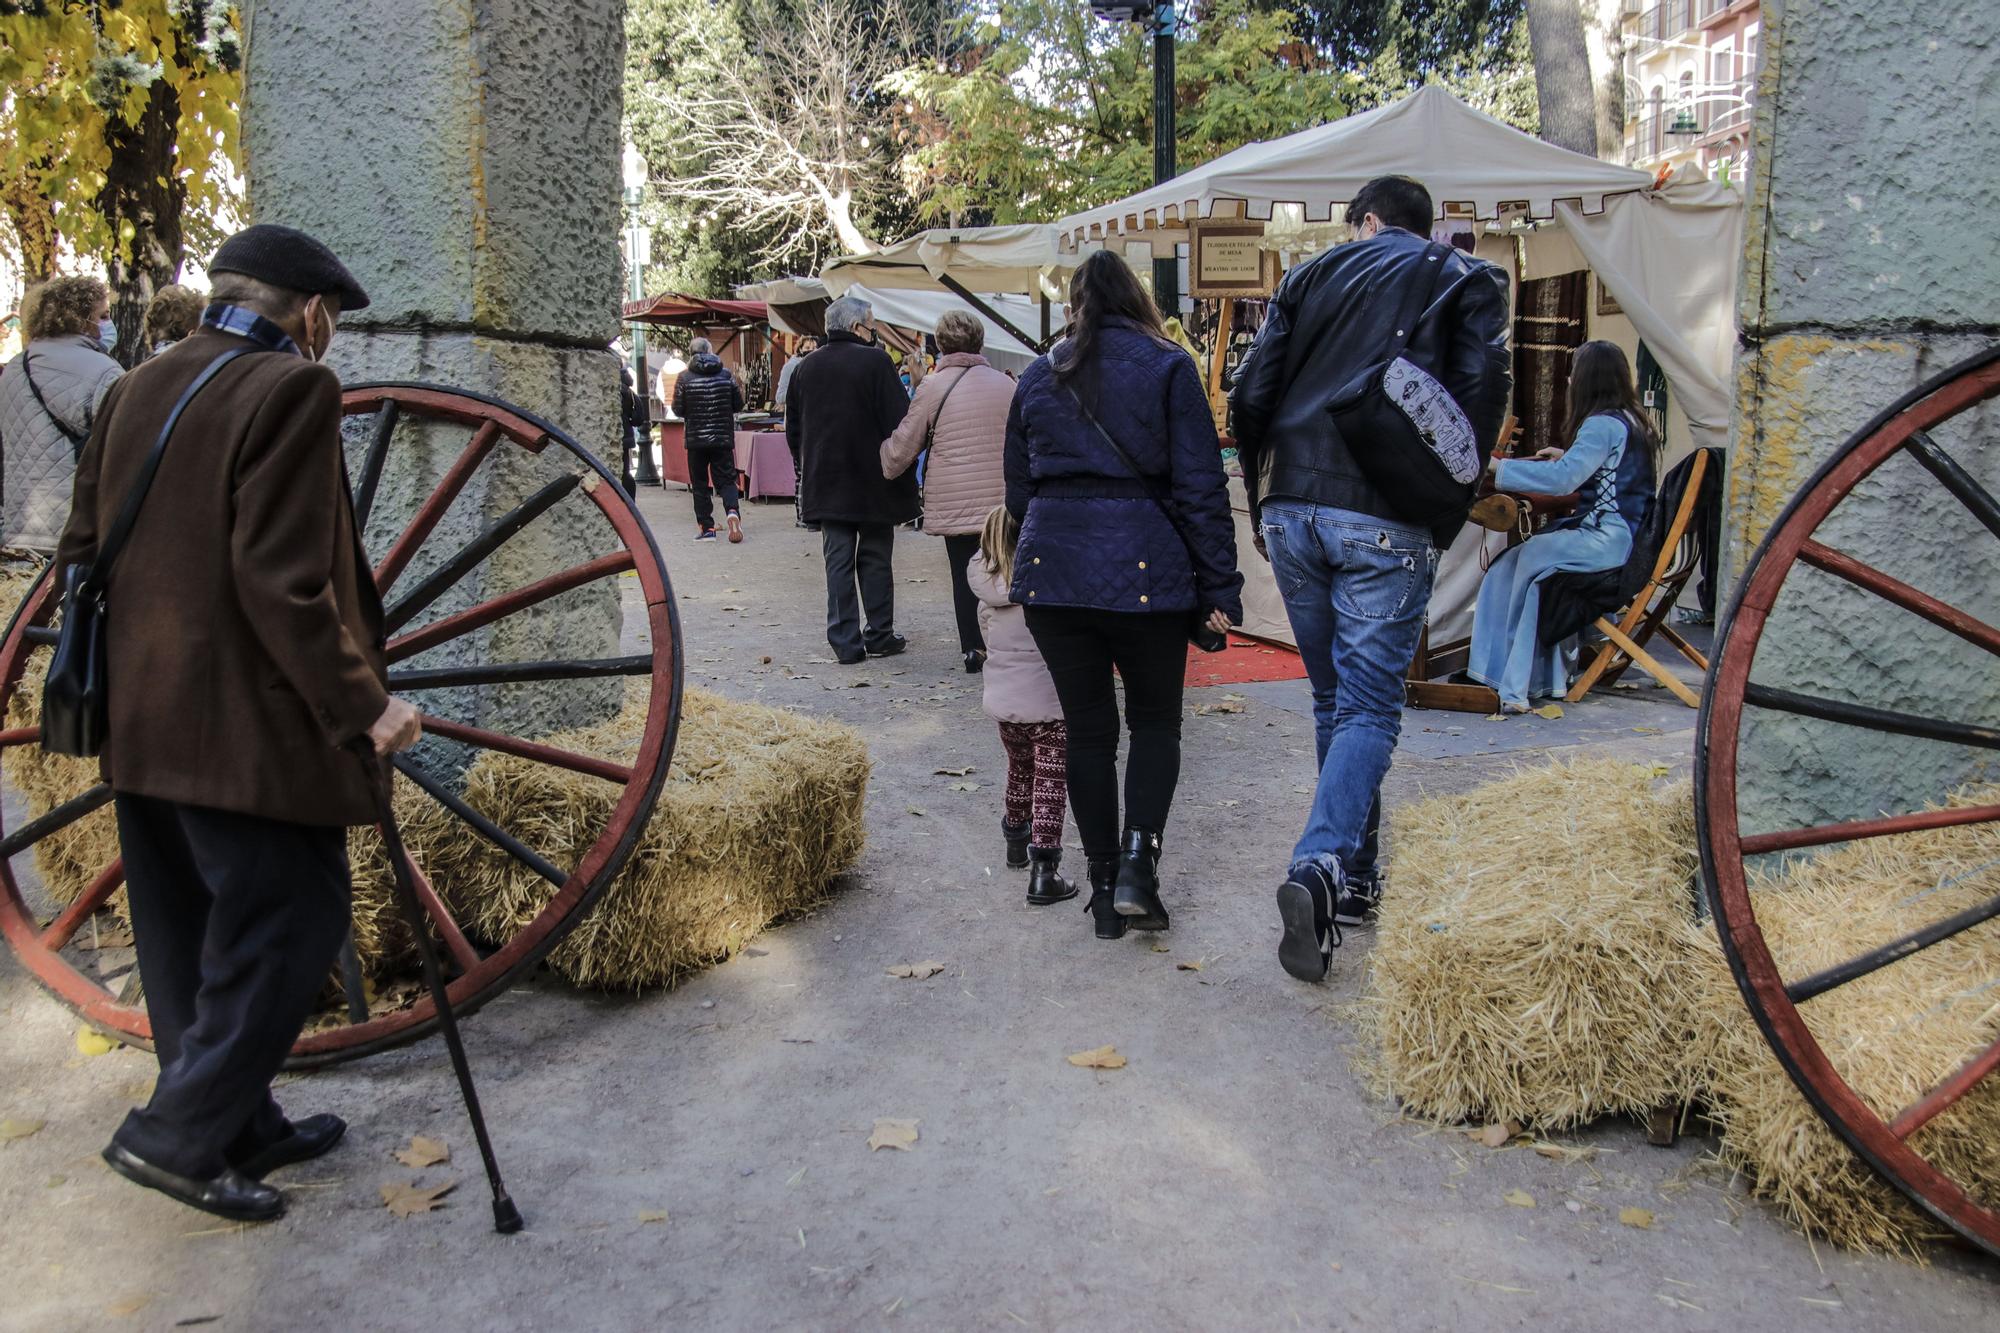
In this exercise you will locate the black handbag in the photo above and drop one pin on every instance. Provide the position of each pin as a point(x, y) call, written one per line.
point(1407, 435)
point(1199, 633)
point(74, 713)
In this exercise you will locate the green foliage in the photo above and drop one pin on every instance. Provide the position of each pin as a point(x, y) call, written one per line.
point(1423, 37)
point(1045, 110)
point(1488, 65)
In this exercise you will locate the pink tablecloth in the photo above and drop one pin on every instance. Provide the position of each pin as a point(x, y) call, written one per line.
point(763, 462)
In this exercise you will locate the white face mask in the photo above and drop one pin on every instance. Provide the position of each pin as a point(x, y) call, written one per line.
point(312, 321)
point(107, 334)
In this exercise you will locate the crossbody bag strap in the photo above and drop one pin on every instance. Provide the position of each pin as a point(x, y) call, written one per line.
point(121, 529)
point(69, 432)
point(930, 430)
point(1152, 491)
point(1419, 299)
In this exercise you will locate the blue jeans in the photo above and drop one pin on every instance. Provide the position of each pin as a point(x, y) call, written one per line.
point(1356, 589)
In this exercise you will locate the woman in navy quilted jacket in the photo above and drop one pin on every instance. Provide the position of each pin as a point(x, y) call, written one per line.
point(1105, 577)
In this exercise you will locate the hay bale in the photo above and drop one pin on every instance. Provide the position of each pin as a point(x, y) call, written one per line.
point(70, 858)
point(761, 810)
point(1533, 961)
point(1892, 1035)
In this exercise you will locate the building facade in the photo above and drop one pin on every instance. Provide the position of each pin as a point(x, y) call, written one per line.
point(1690, 76)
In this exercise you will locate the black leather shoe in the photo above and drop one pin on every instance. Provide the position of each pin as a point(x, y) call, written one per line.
point(1045, 883)
point(1110, 925)
point(851, 659)
point(1305, 908)
point(1136, 896)
point(1017, 844)
point(975, 662)
point(228, 1195)
point(310, 1137)
point(889, 647)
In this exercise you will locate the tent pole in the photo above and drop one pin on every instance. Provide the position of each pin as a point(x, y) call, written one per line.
point(957, 288)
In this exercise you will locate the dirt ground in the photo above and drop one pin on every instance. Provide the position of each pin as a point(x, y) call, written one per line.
point(700, 1158)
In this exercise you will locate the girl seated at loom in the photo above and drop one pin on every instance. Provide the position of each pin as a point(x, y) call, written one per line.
point(1610, 465)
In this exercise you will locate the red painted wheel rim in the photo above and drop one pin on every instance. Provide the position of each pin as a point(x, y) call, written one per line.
point(1717, 785)
point(585, 882)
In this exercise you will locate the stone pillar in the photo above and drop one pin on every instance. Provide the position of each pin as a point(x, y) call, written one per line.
point(462, 157)
point(1866, 272)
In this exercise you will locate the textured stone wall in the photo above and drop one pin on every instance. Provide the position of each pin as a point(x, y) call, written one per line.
point(1867, 271)
point(462, 157)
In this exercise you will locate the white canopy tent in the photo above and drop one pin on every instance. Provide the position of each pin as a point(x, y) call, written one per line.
point(1021, 259)
point(1664, 254)
point(915, 309)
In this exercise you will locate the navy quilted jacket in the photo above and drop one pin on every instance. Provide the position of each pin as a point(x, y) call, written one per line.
point(1090, 536)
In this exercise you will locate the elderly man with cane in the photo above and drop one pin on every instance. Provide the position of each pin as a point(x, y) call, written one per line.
point(244, 646)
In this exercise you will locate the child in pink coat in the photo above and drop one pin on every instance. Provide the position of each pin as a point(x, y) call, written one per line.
point(1021, 697)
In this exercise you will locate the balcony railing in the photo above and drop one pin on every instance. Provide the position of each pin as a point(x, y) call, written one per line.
point(1713, 111)
point(1664, 22)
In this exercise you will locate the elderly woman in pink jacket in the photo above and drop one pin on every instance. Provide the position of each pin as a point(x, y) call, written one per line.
point(960, 415)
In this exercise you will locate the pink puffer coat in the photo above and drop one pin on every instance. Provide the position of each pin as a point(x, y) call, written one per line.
point(1017, 684)
point(965, 478)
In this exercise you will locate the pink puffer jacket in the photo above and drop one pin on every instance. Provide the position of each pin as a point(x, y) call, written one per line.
point(965, 478)
point(1017, 683)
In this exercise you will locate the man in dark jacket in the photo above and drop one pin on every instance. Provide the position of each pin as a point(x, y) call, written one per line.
point(244, 647)
point(846, 399)
point(1355, 572)
point(707, 397)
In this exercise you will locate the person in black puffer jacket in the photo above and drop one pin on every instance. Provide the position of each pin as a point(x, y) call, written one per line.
point(708, 398)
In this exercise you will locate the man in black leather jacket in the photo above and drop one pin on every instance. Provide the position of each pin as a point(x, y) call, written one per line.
point(708, 398)
point(1356, 577)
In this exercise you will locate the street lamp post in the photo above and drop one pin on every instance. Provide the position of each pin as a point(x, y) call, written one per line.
point(638, 247)
point(1160, 16)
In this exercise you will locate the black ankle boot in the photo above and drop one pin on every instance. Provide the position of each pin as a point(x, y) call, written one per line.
point(1045, 882)
point(1110, 925)
point(1136, 897)
point(1017, 844)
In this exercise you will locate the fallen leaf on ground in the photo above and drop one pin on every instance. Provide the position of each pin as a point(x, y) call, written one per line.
point(917, 812)
point(1562, 1152)
point(965, 786)
point(916, 971)
point(92, 1042)
point(1104, 1057)
point(128, 1305)
point(1497, 1136)
point(1636, 1217)
point(1162, 948)
point(11, 1129)
point(1647, 731)
point(965, 772)
point(653, 1215)
point(411, 1199)
point(423, 1152)
point(1519, 1198)
point(897, 1134)
point(1226, 706)
point(1229, 805)
point(1187, 967)
point(1549, 711)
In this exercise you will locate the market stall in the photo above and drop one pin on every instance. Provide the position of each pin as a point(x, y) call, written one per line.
point(740, 331)
point(1594, 250)
point(797, 307)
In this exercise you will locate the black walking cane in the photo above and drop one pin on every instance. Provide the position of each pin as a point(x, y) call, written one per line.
point(506, 1217)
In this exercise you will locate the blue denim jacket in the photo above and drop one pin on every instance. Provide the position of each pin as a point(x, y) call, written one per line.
point(1090, 535)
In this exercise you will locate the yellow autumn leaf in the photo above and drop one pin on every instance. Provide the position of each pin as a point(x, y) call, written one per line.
point(1519, 1198)
point(1636, 1217)
point(898, 1134)
point(1549, 711)
point(1103, 1057)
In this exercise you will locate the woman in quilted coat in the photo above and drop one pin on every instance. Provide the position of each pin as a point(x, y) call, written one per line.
point(960, 415)
point(49, 396)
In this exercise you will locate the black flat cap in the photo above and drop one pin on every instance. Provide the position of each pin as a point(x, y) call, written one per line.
point(286, 257)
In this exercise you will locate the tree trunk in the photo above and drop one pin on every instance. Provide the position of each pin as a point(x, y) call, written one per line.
point(34, 224)
point(143, 195)
point(840, 212)
point(1562, 74)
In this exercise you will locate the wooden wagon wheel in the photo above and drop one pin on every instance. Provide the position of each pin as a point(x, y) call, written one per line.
point(1884, 1141)
point(559, 472)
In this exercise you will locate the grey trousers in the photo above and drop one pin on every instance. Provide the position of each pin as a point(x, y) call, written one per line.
point(859, 554)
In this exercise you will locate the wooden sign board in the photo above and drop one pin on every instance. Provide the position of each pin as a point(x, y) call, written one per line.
point(1225, 258)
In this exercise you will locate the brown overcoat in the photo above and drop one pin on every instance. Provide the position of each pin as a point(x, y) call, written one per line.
point(244, 634)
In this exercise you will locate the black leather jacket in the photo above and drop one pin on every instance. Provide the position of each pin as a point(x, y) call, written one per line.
point(1332, 319)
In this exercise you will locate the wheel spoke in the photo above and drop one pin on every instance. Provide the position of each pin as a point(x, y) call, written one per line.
point(1893, 952)
point(1942, 614)
point(19, 736)
point(426, 517)
point(480, 824)
point(1819, 835)
point(516, 673)
point(455, 943)
point(476, 550)
point(1874, 719)
point(371, 464)
point(61, 817)
point(499, 608)
point(1927, 1107)
point(514, 745)
point(351, 984)
point(63, 929)
point(1955, 479)
point(42, 636)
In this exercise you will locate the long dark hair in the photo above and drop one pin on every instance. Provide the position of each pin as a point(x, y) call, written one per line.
point(1102, 288)
point(1600, 380)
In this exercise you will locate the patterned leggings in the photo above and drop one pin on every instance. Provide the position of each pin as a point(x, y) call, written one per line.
point(1037, 788)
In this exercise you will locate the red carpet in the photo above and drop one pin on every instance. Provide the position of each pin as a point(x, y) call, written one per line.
point(1243, 661)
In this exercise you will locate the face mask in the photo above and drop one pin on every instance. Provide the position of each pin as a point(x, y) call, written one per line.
point(312, 321)
point(107, 334)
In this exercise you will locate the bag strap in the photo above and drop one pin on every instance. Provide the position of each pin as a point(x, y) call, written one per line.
point(1152, 491)
point(121, 529)
point(1419, 300)
point(930, 428)
point(69, 432)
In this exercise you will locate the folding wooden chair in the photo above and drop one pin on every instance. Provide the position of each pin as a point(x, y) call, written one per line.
point(1626, 639)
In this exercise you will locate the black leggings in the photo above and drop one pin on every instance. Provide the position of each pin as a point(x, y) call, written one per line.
point(959, 550)
point(1150, 654)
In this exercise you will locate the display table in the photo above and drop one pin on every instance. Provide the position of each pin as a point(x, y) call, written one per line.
point(763, 461)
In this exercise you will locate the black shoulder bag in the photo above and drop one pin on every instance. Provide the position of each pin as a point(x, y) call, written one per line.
point(74, 715)
point(76, 438)
point(1199, 633)
point(1406, 433)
